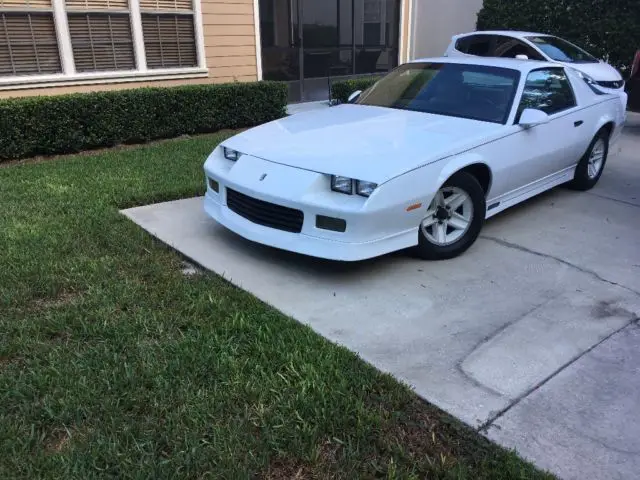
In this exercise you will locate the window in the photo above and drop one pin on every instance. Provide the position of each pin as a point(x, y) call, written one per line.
point(476, 92)
point(169, 38)
point(548, 90)
point(509, 47)
point(44, 41)
point(28, 44)
point(561, 50)
point(100, 34)
point(479, 45)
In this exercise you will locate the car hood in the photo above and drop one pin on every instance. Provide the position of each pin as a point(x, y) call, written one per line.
point(363, 142)
point(601, 72)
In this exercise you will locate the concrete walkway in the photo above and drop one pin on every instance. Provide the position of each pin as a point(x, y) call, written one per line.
point(532, 336)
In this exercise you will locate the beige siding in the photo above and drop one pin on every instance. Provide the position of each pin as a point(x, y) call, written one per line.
point(227, 19)
point(226, 30)
point(214, 40)
point(227, 8)
point(230, 51)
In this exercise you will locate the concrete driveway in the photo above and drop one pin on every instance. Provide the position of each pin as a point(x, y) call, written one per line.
point(532, 336)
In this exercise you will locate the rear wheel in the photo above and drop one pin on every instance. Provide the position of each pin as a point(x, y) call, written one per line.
point(592, 164)
point(453, 220)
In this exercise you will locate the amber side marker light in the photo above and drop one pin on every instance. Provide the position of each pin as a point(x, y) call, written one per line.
point(415, 206)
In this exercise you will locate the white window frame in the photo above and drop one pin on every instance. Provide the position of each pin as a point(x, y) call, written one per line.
point(69, 77)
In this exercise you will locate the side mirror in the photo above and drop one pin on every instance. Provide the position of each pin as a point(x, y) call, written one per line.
point(532, 116)
point(522, 56)
point(354, 96)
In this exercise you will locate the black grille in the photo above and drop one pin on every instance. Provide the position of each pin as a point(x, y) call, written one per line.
point(615, 84)
point(265, 213)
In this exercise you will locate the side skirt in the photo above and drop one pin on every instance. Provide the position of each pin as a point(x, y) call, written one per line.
point(498, 204)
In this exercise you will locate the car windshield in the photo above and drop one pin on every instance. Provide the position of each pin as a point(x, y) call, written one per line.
point(477, 92)
point(561, 51)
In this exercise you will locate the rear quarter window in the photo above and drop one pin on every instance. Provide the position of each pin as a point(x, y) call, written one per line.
point(479, 45)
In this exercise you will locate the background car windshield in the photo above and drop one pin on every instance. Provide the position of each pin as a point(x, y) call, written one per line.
point(477, 92)
point(561, 50)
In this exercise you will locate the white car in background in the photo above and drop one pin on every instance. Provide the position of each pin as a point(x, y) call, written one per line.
point(537, 46)
point(420, 159)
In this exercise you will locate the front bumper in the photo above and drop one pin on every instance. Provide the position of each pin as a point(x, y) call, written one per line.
point(269, 191)
point(302, 243)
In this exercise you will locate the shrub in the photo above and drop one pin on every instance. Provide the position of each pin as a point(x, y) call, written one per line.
point(71, 123)
point(341, 89)
point(609, 30)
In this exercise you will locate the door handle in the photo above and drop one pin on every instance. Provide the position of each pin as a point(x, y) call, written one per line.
point(578, 123)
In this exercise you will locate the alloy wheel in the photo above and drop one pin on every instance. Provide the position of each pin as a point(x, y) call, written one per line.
point(449, 216)
point(596, 159)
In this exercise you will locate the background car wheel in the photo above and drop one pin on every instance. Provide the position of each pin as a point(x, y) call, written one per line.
point(591, 165)
point(453, 220)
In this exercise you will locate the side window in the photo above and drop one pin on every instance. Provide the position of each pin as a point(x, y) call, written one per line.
point(548, 90)
point(479, 45)
point(509, 47)
point(462, 45)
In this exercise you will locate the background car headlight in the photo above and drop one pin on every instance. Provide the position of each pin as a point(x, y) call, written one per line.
point(342, 184)
point(365, 189)
point(230, 154)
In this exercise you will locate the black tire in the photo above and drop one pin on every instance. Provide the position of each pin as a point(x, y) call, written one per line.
point(470, 185)
point(581, 179)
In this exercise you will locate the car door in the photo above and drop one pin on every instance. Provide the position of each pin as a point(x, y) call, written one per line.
point(552, 146)
point(530, 155)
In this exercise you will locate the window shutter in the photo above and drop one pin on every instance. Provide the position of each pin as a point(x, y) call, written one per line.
point(28, 43)
point(169, 34)
point(101, 36)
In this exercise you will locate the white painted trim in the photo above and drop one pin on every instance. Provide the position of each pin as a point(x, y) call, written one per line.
point(61, 80)
point(412, 31)
point(138, 39)
point(199, 32)
point(256, 21)
point(401, 52)
point(64, 38)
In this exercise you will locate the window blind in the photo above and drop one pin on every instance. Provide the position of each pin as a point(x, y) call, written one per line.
point(28, 43)
point(169, 40)
point(96, 5)
point(169, 35)
point(166, 5)
point(101, 36)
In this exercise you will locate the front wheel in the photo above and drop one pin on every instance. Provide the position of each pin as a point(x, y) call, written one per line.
point(591, 165)
point(453, 220)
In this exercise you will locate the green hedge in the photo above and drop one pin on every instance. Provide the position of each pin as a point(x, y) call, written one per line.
point(341, 89)
point(608, 29)
point(72, 123)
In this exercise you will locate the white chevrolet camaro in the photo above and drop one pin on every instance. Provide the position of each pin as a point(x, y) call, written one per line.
point(420, 159)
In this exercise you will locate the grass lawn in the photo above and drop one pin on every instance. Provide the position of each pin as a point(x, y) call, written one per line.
point(115, 364)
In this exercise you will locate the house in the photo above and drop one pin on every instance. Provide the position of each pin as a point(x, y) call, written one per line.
point(60, 46)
